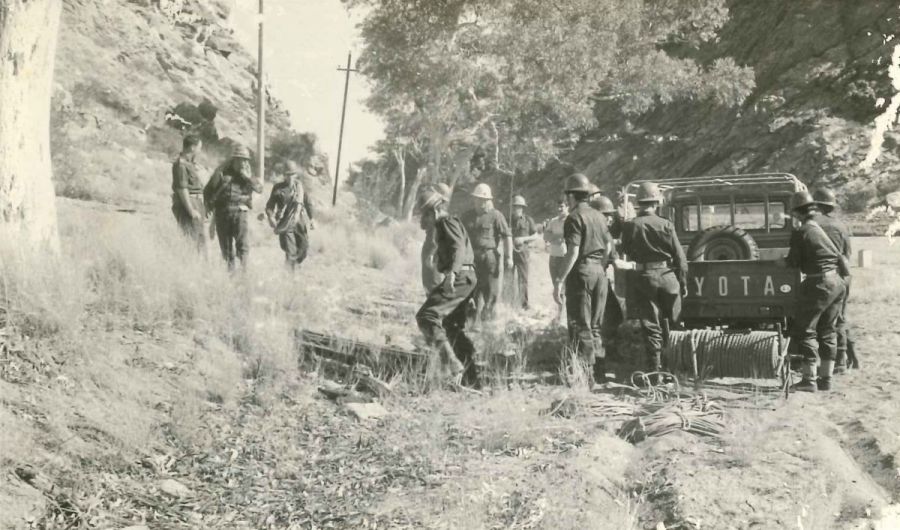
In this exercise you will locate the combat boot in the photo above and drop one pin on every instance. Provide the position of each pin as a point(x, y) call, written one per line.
point(450, 364)
point(599, 372)
point(840, 362)
point(808, 383)
point(825, 371)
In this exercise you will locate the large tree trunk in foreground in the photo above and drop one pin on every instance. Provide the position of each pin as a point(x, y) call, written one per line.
point(28, 31)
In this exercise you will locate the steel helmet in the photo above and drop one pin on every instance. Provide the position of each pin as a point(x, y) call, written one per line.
point(801, 199)
point(593, 189)
point(603, 204)
point(518, 200)
point(482, 191)
point(578, 183)
point(825, 197)
point(240, 151)
point(291, 167)
point(649, 192)
point(443, 189)
point(430, 200)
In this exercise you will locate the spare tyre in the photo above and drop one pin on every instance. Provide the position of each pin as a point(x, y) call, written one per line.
point(723, 243)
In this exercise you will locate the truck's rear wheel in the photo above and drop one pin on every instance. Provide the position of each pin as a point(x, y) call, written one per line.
point(723, 243)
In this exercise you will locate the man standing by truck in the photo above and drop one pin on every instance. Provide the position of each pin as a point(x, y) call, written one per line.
point(820, 295)
point(588, 249)
point(487, 229)
point(661, 271)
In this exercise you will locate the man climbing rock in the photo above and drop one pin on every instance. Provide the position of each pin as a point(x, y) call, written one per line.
point(187, 192)
point(588, 248)
point(430, 277)
point(661, 268)
point(524, 231)
point(442, 318)
point(290, 214)
point(229, 194)
point(840, 235)
point(487, 228)
point(820, 296)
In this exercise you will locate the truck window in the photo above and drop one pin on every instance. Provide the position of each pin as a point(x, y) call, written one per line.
point(750, 215)
point(747, 215)
point(710, 215)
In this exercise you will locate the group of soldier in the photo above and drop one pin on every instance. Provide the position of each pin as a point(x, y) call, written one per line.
point(227, 199)
point(461, 256)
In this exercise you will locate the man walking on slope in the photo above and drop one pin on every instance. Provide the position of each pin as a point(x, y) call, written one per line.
point(588, 250)
point(430, 276)
point(661, 271)
point(840, 235)
point(442, 318)
point(290, 214)
point(187, 192)
point(820, 296)
point(524, 231)
point(229, 194)
point(487, 228)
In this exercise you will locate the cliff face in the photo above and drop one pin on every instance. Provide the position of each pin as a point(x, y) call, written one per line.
point(821, 71)
point(131, 75)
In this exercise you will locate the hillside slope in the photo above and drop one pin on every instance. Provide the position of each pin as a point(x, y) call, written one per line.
point(821, 78)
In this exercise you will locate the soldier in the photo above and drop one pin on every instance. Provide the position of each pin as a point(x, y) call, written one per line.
point(430, 277)
point(613, 315)
point(229, 193)
point(290, 214)
point(524, 231)
point(442, 318)
point(187, 192)
point(840, 235)
point(661, 266)
point(588, 247)
point(819, 298)
point(487, 228)
point(556, 247)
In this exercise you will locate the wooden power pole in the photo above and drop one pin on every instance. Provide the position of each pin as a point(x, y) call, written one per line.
point(337, 166)
point(260, 105)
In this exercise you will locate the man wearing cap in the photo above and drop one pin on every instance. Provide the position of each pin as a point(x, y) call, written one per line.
point(430, 276)
point(442, 318)
point(819, 298)
point(840, 235)
point(187, 192)
point(588, 248)
point(487, 228)
point(290, 215)
point(524, 231)
point(661, 271)
point(228, 193)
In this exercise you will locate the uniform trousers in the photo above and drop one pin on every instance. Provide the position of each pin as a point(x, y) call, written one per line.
point(442, 318)
point(233, 233)
point(586, 290)
point(658, 297)
point(295, 244)
point(487, 271)
point(819, 304)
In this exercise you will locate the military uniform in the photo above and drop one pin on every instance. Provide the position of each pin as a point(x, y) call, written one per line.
point(185, 177)
point(289, 199)
point(820, 296)
point(586, 284)
point(442, 317)
point(229, 194)
point(486, 230)
point(430, 276)
point(650, 242)
point(522, 226)
point(840, 235)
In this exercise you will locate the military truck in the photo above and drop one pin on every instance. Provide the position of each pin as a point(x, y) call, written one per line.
point(737, 315)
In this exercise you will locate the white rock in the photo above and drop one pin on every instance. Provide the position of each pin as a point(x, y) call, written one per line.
point(893, 199)
point(367, 411)
point(173, 488)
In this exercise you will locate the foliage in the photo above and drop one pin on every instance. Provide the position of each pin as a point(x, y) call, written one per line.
point(522, 76)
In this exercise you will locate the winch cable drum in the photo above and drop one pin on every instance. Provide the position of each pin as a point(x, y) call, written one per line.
point(724, 353)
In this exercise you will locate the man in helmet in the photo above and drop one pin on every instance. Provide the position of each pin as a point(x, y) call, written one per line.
point(442, 318)
point(613, 315)
point(430, 276)
point(588, 250)
point(840, 235)
point(187, 192)
point(820, 296)
point(524, 231)
point(487, 228)
point(661, 271)
point(290, 214)
point(229, 194)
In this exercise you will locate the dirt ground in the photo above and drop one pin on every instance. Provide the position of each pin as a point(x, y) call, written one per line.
point(135, 420)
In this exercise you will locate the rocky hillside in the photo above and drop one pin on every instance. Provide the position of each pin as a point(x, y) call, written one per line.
point(132, 76)
point(821, 78)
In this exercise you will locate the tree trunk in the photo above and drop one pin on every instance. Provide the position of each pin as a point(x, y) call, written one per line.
point(401, 165)
point(28, 31)
point(413, 193)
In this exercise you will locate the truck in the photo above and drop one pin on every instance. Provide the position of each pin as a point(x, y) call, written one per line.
point(735, 230)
